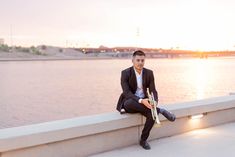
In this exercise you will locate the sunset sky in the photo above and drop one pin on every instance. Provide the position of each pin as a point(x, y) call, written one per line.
point(187, 24)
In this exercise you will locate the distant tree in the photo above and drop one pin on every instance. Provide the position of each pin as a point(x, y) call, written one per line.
point(24, 49)
point(102, 47)
point(44, 47)
point(34, 50)
point(60, 50)
point(5, 48)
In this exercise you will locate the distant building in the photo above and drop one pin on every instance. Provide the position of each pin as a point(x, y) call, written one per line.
point(1, 41)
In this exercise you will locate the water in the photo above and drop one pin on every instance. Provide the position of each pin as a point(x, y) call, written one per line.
point(40, 91)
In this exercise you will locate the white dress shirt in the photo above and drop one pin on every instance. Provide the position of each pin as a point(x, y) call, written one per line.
point(139, 91)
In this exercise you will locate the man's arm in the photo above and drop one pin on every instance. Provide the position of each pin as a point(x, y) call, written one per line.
point(125, 87)
point(152, 87)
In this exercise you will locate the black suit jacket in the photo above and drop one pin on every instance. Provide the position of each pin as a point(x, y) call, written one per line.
point(129, 85)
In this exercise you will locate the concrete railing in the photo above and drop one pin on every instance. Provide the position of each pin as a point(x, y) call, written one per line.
point(88, 135)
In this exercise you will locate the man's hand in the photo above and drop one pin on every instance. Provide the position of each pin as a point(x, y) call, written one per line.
point(146, 103)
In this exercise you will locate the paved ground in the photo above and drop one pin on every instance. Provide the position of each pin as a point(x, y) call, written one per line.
point(216, 141)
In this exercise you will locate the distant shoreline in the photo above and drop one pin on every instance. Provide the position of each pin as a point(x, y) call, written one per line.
point(50, 53)
point(97, 58)
point(54, 59)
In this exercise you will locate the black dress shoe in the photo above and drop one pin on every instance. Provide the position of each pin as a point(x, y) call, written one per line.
point(170, 116)
point(145, 145)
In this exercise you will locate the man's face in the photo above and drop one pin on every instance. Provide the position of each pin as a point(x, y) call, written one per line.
point(138, 62)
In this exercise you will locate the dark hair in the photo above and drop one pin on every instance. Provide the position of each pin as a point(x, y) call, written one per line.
point(139, 53)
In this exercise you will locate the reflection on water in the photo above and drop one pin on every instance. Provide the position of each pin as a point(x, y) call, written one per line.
point(37, 91)
point(201, 76)
point(201, 79)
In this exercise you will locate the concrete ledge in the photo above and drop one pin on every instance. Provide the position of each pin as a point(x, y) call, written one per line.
point(88, 135)
point(36, 134)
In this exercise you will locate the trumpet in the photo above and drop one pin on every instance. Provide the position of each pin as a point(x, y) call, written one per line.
point(154, 107)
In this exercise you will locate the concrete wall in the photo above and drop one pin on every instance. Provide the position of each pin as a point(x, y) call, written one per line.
point(88, 135)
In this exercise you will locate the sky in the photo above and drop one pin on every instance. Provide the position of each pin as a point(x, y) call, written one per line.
point(184, 24)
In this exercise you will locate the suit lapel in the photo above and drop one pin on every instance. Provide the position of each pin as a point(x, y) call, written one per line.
point(133, 78)
point(143, 77)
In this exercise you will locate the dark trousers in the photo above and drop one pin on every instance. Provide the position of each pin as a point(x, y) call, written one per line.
point(131, 106)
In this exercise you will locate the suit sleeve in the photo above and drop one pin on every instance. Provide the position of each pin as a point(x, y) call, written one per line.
point(152, 87)
point(125, 87)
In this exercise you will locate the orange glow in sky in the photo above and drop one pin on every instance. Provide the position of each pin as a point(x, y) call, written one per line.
point(186, 24)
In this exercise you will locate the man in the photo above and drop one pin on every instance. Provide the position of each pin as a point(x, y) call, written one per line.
point(134, 99)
